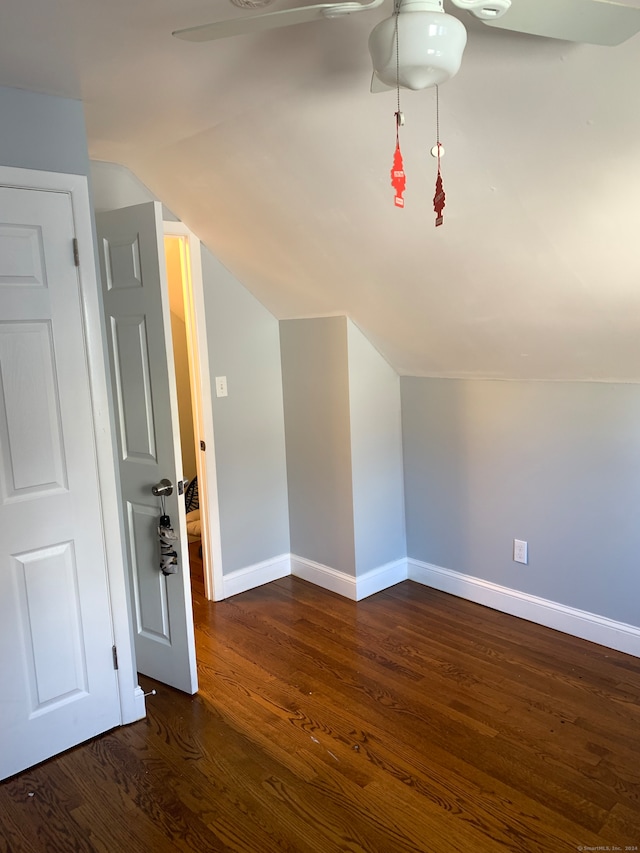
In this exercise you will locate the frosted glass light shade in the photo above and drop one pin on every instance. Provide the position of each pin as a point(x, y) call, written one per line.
point(430, 46)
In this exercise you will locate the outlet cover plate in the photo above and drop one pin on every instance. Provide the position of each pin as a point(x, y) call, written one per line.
point(520, 551)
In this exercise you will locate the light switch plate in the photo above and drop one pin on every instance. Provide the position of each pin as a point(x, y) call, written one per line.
point(221, 386)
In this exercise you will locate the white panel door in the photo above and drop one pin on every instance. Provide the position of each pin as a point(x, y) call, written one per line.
point(58, 685)
point(138, 323)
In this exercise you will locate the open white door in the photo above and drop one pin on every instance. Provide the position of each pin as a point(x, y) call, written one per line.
point(139, 331)
point(58, 685)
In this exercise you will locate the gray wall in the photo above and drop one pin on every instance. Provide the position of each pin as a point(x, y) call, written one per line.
point(556, 464)
point(376, 455)
point(42, 132)
point(316, 405)
point(344, 447)
point(244, 345)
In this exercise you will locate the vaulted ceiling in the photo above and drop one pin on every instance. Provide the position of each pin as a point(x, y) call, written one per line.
point(271, 148)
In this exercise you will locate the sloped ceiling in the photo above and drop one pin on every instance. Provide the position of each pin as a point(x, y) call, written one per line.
point(272, 150)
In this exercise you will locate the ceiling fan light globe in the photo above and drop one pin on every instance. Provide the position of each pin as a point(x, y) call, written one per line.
point(430, 47)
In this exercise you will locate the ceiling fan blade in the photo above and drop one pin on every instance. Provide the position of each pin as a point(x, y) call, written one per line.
point(272, 20)
point(604, 22)
point(252, 24)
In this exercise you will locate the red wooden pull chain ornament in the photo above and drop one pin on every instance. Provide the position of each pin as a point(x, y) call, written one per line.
point(439, 197)
point(398, 177)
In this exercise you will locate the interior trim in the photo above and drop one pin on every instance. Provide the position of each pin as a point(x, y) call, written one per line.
point(561, 617)
point(249, 577)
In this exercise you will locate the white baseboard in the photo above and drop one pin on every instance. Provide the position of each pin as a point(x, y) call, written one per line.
point(381, 578)
point(256, 575)
point(570, 620)
point(134, 708)
point(355, 588)
point(324, 576)
point(376, 580)
point(141, 708)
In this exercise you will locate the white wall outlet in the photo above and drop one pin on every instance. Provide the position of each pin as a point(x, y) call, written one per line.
point(221, 386)
point(520, 551)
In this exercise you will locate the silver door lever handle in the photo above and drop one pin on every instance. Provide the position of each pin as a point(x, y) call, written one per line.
point(163, 488)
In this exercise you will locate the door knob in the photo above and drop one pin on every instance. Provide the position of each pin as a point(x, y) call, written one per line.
point(163, 488)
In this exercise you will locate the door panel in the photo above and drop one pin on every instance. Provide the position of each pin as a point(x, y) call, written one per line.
point(137, 308)
point(149, 588)
point(52, 642)
point(58, 683)
point(32, 450)
point(131, 375)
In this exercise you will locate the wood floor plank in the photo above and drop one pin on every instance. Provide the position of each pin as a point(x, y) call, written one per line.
point(427, 719)
point(410, 722)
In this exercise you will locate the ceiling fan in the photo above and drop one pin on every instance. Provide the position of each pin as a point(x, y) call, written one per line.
point(432, 42)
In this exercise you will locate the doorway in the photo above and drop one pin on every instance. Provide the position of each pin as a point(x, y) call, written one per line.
point(186, 298)
point(138, 321)
point(188, 395)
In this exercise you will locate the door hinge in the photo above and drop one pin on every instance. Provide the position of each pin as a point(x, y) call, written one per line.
point(203, 446)
point(76, 252)
point(114, 652)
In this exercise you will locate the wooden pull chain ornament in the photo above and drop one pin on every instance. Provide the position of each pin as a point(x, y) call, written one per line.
point(439, 197)
point(398, 177)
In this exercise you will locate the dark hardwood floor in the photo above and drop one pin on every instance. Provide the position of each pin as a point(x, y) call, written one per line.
point(411, 721)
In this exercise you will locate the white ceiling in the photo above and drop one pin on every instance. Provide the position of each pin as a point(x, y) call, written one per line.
point(272, 150)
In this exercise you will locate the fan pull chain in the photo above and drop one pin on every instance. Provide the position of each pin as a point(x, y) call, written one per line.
point(439, 197)
point(398, 177)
